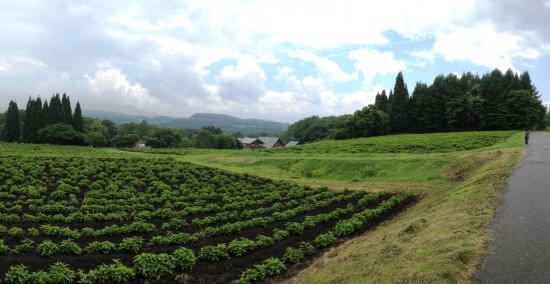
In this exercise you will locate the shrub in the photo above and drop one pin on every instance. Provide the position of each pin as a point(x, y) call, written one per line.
point(307, 248)
point(68, 246)
point(159, 241)
point(16, 232)
point(40, 277)
point(25, 246)
point(17, 274)
point(184, 258)
point(214, 253)
point(272, 266)
point(239, 247)
point(179, 238)
point(104, 247)
point(61, 273)
point(131, 244)
point(293, 255)
point(279, 234)
point(325, 240)
point(154, 265)
point(4, 249)
point(116, 272)
point(263, 241)
point(295, 228)
point(347, 227)
point(33, 232)
point(47, 248)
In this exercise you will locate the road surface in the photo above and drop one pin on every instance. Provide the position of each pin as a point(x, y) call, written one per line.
point(522, 227)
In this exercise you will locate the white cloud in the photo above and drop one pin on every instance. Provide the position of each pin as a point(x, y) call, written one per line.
point(484, 46)
point(328, 70)
point(372, 62)
point(243, 81)
point(161, 55)
point(112, 84)
point(21, 66)
point(427, 55)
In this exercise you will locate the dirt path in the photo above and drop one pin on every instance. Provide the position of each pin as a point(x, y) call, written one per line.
point(522, 227)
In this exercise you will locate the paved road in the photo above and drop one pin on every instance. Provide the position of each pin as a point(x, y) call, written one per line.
point(522, 227)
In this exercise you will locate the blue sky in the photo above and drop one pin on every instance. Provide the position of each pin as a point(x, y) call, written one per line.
point(279, 60)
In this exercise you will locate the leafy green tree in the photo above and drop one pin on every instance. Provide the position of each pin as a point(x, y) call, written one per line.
point(225, 141)
point(144, 129)
point(525, 110)
point(205, 139)
point(12, 130)
point(474, 108)
point(111, 127)
point(213, 129)
point(96, 139)
point(124, 141)
point(399, 106)
point(370, 121)
point(77, 118)
point(163, 138)
point(61, 134)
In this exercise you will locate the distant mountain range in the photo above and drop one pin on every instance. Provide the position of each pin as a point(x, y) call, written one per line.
point(227, 123)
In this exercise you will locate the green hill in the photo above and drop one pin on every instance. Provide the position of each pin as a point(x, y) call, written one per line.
point(226, 123)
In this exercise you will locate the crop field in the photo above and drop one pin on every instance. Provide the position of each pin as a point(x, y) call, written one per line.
point(125, 219)
point(404, 143)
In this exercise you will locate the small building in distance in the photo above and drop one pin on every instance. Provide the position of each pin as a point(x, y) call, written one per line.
point(251, 143)
point(140, 144)
point(271, 142)
point(292, 143)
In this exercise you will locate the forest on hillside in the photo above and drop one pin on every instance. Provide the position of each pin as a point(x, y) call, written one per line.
point(54, 122)
point(494, 101)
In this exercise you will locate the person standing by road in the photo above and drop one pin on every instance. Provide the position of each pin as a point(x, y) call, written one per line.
point(526, 135)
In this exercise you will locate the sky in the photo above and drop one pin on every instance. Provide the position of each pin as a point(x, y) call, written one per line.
point(278, 60)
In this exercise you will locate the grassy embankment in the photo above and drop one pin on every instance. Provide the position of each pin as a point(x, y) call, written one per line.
point(443, 239)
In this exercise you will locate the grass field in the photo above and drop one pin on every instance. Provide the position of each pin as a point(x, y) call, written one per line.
point(441, 239)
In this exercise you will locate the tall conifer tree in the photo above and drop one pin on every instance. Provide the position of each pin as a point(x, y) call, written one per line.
point(13, 126)
point(77, 118)
point(66, 112)
point(399, 110)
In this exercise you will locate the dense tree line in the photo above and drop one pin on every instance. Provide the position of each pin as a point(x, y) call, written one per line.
point(54, 122)
point(494, 101)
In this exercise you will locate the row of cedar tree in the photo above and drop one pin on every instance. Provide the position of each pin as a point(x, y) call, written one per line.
point(53, 123)
point(495, 101)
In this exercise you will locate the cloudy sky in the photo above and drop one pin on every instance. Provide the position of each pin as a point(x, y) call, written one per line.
point(281, 60)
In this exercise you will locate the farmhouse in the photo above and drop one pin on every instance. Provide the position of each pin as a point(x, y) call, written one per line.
point(251, 143)
point(292, 143)
point(140, 144)
point(271, 142)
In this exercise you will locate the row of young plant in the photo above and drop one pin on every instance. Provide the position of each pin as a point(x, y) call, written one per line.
point(68, 246)
point(146, 265)
point(175, 217)
point(55, 206)
point(155, 266)
point(272, 266)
